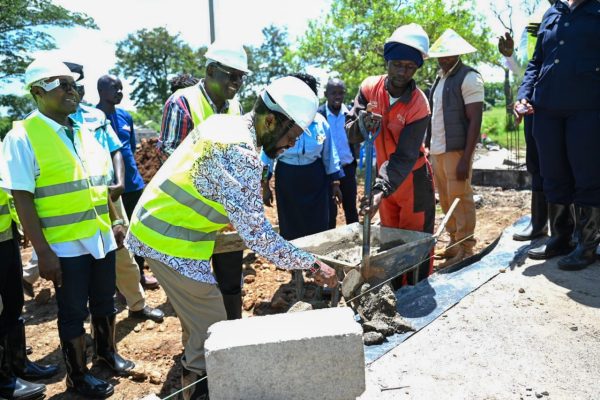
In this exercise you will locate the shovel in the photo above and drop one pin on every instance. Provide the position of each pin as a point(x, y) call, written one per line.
point(366, 245)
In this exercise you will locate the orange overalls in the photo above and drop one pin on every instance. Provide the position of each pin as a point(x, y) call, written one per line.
point(412, 205)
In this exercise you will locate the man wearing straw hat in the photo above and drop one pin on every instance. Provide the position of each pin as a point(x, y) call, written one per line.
point(456, 101)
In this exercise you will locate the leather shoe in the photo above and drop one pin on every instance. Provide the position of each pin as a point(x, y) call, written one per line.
point(149, 282)
point(148, 312)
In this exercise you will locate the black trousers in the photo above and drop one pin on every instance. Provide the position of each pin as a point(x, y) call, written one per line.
point(348, 188)
point(228, 271)
point(11, 288)
point(569, 146)
point(130, 200)
point(84, 279)
point(532, 158)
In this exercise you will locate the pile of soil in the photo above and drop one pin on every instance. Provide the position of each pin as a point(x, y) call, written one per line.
point(148, 158)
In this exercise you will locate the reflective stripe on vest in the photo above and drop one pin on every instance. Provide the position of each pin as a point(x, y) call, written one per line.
point(172, 217)
point(5, 216)
point(70, 197)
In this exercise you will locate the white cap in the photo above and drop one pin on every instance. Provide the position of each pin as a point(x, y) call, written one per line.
point(44, 68)
point(450, 44)
point(293, 98)
point(228, 54)
point(412, 35)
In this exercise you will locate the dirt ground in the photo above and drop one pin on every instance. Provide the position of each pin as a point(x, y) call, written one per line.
point(156, 348)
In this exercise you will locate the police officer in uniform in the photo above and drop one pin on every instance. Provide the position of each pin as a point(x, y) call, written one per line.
point(561, 88)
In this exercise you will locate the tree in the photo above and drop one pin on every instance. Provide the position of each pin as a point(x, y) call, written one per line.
point(16, 108)
point(349, 40)
point(268, 61)
point(20, 34)
point(150, 58)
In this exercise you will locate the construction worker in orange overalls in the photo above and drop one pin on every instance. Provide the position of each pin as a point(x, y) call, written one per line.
point(403, 191)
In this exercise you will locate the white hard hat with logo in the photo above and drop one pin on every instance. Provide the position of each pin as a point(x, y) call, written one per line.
point(293, 98)
point(450, 44)
point(44, 68)
point(412, 35)
point(231, 55)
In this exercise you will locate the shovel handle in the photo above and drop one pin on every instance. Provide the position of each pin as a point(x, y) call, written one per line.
point(446, 218)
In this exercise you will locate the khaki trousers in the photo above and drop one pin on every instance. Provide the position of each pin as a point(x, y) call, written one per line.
point(197, 304)
point(128, 273)
point(462, 222)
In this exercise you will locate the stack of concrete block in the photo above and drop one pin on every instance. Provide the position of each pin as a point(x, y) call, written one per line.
point(306, 355)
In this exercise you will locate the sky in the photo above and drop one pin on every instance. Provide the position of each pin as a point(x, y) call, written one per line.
point(239, 20)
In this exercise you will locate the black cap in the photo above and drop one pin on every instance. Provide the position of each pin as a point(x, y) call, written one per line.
point(77, 68)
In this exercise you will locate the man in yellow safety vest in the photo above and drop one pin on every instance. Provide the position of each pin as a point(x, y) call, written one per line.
point(211, 180)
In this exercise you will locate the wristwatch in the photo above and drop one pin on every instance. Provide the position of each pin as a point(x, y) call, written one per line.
point(117, 222)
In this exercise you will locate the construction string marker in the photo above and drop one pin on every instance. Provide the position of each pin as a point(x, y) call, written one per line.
point(184, 388)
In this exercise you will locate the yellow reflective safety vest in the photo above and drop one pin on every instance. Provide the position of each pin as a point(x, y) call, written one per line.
point(5, 212)
point(200, 108)
point(172, 217)
point(71, 196)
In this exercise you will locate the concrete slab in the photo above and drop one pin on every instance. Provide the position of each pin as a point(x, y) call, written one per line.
point(304, 355)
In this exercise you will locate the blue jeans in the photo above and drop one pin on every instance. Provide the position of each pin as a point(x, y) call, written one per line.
point(84, 279)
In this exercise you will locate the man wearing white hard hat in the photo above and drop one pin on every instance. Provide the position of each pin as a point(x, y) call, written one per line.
point(226, 70)
point(58, 175)
point(456, 99)
point(211, 180)
point(403, 190)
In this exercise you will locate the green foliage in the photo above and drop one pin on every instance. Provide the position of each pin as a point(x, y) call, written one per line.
point(17, 107)
point(349, 40)
point(150, 117)
point(150, 58)
point(268, 61)
point(20, 34)
point(494, 93)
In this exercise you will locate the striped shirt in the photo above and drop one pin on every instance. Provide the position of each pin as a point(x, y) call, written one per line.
point(177, 119)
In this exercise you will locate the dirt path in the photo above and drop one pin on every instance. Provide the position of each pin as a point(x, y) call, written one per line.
point(157, 347)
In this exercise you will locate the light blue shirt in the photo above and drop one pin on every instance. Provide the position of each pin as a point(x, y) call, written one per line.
point(308, 149)
point(96, 121)
point(337, 127)
point(19, 170)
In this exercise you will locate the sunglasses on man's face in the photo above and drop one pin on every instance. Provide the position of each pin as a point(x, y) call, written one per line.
point(232, 75)
point(64, 84)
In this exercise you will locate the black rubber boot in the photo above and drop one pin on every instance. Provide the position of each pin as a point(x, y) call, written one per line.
point(199, 391)
point(538, 226)
point(21, 366)
point(561, 232)
point(233, 305)
point(79, 378)
point(12, 387)
point(105, 348)
point(587, 224)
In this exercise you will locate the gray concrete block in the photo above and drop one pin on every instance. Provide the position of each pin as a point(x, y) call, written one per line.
point(305, 355)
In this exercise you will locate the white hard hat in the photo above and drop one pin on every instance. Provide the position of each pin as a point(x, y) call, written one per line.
point(412, 35)
point(229, 54)
point(44, 68)
point(293, 98)
point(450, 44)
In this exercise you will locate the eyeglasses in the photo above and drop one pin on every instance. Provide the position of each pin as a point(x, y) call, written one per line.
point(232, 76)
point(62, 83)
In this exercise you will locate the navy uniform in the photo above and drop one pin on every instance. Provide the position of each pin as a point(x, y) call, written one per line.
point(562, 82)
